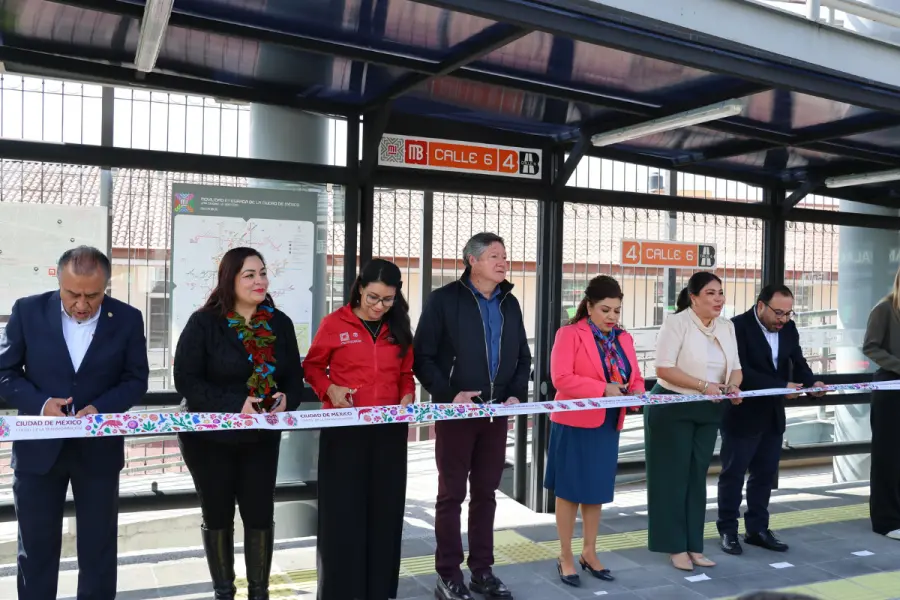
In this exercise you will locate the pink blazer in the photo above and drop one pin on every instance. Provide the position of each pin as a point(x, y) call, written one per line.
point(577, 373)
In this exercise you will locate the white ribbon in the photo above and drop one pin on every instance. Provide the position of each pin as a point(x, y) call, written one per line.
point(156, 423)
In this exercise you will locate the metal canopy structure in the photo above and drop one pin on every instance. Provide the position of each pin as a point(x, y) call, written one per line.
point(520, 72)
point(548, 75)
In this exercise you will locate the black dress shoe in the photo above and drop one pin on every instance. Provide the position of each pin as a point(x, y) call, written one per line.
point(490, 586)
point(767, 540)
point(603, 574)
point(730, 544)
point(573, 580)
point(451, 590)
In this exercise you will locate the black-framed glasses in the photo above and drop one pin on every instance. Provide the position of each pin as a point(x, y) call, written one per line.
point(372, 300)
point(780, 313)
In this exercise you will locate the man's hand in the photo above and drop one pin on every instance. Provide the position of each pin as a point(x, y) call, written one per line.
point(465, 397)
point(54, 407)
point(818, 394)
point(511, 401)
point(407, 400)
point(340, 396)
point(87, 410)
point(793, 386)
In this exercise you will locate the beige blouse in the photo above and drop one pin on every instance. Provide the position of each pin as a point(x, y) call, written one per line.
point(683, 344)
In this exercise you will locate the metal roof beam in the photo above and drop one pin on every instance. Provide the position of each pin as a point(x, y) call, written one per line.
point(634, 28)
point(64, 67)
point(808, 136)
point(575, 156)
point(797, 196)
point(479, 45)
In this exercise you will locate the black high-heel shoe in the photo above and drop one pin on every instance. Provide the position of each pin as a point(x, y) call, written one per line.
point(603, 574)
point(573, 580)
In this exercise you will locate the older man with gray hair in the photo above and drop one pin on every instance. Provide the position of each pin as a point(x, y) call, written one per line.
point(471, 347)
point(71, 352)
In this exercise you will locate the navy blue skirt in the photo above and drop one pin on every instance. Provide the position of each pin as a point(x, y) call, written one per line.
point(581, 462)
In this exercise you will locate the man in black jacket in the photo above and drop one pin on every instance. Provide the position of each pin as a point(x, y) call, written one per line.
point(753, 431)
point(471, 347)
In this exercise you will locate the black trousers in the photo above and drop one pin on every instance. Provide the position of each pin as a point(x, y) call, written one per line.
point(362, 498)
point(229, 472)
point(759, 454)
point(884, 480)
point(39, 502)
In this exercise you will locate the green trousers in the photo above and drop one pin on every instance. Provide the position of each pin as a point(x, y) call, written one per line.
point(679, 442)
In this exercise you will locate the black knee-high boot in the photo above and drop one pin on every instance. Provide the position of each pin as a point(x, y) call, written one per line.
point(219, 546)
point(258, 547)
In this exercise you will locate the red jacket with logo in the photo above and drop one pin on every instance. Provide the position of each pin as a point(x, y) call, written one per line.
point(345, 348)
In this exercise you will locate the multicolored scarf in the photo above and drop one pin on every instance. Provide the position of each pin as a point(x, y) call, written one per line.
point(615, 365)
point(259, 342)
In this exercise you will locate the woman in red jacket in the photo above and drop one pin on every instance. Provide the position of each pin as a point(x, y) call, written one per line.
point(592, 357)
point(362, 356)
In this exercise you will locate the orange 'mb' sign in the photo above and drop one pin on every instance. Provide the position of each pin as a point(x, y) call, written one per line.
point(448, 155)
point(637, 253)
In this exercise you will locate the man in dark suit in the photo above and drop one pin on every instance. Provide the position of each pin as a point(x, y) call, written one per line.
point(753, 431)
point(73, 352)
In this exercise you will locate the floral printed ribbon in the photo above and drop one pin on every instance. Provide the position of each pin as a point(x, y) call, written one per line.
point(156, 423)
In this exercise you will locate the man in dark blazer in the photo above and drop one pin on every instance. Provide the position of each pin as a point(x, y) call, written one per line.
point(72, 352)
point(753, 431)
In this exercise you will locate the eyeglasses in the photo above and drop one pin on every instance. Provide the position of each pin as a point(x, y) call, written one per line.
point(372, 300)
point(780, 313)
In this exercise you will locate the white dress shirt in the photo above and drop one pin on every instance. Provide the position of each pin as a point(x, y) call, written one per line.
point(78, 336)
point(771, 337)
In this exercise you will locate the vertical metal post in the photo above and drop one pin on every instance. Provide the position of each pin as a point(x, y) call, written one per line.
point(107, 131)
point(774, 238)
point(351, 205)
point(774, 250)
point(371, 136)
point(671, 280)
point(549, 291)
point(425, 281)
point(813, 9)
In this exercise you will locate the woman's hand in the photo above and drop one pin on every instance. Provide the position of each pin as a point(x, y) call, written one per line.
point(280, 403)
point(250, 405)
point(407, 400)
point(733, 390)
point(715, 389)
point(339, 396)
point(614, 389)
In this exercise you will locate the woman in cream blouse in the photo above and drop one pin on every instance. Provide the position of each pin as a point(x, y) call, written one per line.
point(696, 352)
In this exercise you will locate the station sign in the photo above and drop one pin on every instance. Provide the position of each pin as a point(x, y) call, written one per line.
point(461, 157)
point(686, 255)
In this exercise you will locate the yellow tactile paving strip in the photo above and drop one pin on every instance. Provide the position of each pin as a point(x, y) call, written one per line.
point(877, 586)
point(512, 548)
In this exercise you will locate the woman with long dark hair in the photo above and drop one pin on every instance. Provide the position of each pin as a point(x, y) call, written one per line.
point(696, 353)
point(237, 354)
point(362, 356)
point(591, 358)
point(882, 347)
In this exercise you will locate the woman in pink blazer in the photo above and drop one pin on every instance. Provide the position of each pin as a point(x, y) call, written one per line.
point(592, 357)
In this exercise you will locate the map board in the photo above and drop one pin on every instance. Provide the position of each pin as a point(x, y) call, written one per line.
point(34, 237)
point(208, 221)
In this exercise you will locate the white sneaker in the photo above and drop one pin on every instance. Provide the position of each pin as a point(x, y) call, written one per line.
point(894, 535)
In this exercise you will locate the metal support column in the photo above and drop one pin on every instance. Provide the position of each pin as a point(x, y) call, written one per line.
point(107, 131)
point(549, 291)
point(774, 238)
point(351, 206)
point(425, 281)
point(774, 250)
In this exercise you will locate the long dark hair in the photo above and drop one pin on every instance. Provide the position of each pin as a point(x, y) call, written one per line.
point(221, 300)
point(383, 271)
point(695, 285)
point(600, 288)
